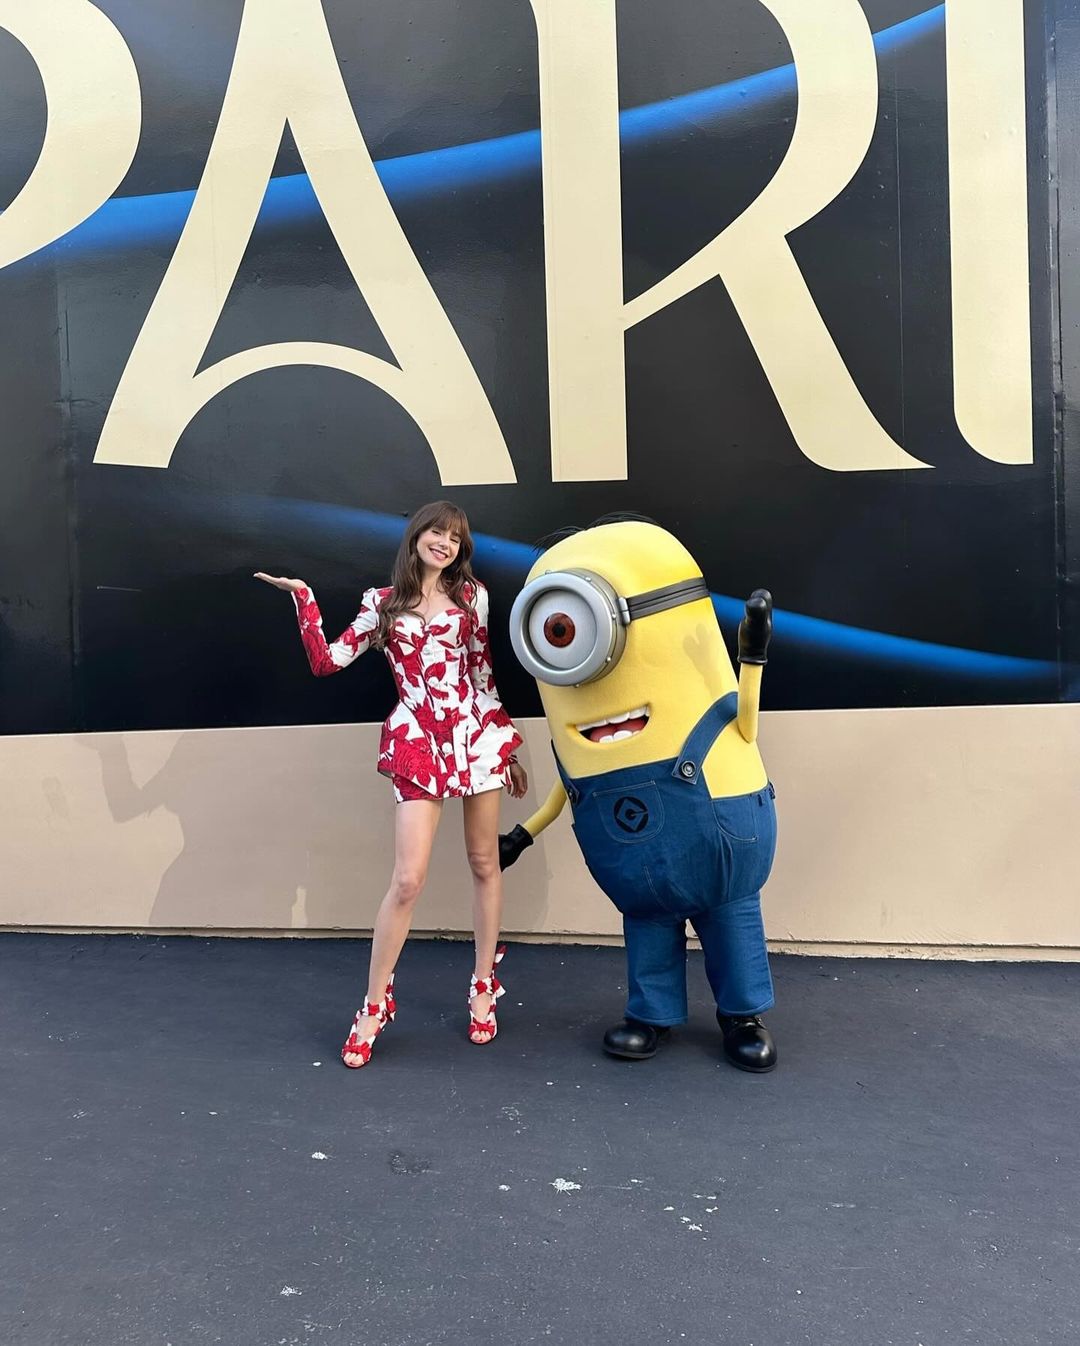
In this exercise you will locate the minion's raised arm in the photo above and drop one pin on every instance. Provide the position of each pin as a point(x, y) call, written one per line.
point(755, 632)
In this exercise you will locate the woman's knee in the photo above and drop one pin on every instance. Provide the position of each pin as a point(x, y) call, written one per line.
point(483, 861)
point(406, 886)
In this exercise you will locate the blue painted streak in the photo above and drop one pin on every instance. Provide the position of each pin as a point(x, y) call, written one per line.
point(815, 635)
point(157, 220)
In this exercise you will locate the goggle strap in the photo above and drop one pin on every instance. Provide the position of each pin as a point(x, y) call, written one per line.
point(670, 596)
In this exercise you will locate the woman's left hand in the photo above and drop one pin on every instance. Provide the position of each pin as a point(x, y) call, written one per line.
point(519, 781)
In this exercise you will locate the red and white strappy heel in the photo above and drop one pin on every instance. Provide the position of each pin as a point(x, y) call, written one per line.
point(383, 1013)
point(492, 986)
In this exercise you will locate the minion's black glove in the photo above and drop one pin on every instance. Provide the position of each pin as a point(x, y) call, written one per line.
point(511, 844)
point(755, 629)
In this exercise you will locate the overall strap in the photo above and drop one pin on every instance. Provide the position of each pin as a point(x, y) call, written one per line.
point(703, 735)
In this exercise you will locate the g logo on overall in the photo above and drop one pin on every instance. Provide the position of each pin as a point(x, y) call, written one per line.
point(631, 814)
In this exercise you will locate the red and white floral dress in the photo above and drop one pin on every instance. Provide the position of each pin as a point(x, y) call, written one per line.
point(449, 735)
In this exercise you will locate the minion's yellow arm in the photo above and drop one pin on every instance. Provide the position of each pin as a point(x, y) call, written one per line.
point(522, 835)
point(755, 632)
point(548, 811)
point(749, 700)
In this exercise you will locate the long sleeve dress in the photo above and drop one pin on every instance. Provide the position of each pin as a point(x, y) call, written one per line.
point(449, 735)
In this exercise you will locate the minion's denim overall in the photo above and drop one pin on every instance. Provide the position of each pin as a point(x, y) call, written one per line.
point(665, 852)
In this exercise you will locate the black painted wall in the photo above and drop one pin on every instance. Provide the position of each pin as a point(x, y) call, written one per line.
point(125, 593)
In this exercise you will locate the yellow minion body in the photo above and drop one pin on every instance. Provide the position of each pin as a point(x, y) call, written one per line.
point(673, 665)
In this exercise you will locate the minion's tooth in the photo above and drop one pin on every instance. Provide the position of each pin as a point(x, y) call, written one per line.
point(641, 713)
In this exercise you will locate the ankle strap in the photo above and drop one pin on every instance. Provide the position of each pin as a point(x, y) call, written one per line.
point(385, 1009)
point(489, 985)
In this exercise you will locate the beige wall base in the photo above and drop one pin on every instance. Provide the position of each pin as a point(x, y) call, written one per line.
point(943, 833)
point(986, 953)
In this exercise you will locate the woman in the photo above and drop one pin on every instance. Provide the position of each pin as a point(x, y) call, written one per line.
point(448, 737)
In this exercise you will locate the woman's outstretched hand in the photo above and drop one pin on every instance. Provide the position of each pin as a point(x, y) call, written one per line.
point(280, 582)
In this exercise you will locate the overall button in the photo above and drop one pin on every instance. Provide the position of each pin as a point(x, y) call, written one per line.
point(688, 769)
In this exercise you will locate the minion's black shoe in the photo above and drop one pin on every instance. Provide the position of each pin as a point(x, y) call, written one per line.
point(748, 1044)
point(634, 1041)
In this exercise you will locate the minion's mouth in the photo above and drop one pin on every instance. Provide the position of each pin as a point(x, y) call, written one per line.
point(616, 728)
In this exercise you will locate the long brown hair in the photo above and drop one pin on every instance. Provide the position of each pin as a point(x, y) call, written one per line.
point(457, 579)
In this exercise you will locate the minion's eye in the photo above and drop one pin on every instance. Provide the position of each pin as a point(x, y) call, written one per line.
point(562, 629)
point(559, 630)
point(567, 627)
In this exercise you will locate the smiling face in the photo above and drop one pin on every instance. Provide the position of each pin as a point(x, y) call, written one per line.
point(673, 667)
point(641, 704)
point(438, 547)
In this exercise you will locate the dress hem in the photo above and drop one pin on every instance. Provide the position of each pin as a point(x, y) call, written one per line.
point(408, 791)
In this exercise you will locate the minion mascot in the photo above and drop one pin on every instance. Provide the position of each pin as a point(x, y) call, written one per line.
point(656, 745)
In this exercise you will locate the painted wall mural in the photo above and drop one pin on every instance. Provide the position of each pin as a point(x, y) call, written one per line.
point(778, 273)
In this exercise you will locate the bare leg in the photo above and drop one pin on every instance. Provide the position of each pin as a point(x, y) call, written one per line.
point(415, 824)
point(482, 848)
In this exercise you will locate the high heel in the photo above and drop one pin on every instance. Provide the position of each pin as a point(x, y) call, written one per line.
point(383, 1013)
point(492, 986)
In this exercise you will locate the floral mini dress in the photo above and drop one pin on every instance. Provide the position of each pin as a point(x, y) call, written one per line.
point(449, 735)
